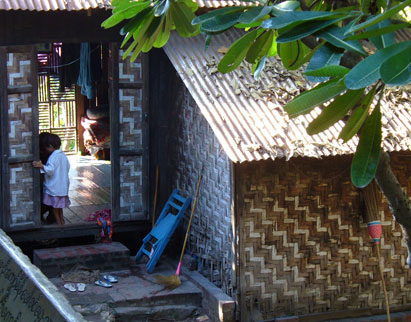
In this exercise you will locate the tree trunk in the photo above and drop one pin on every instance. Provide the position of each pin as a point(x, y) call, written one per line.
point(396, 197)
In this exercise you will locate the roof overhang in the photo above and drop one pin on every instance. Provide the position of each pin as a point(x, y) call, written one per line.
point(247, 116)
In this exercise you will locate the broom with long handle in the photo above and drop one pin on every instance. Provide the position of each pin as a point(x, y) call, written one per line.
point(155, 199)
point(172, 282)
point(375, 231)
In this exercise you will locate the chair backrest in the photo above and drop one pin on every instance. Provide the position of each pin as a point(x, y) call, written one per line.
point(175, 205)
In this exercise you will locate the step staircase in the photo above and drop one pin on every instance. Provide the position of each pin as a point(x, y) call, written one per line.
point(136, 297)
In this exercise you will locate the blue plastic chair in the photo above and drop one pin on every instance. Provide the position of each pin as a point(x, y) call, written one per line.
point(156, 241)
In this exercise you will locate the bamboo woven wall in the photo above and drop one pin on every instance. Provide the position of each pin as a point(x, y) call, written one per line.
point(304, 247)
point(131, 138)
point(20, 136)
point(193, 146)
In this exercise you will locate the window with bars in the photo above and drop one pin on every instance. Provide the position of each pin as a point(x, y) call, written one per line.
point(57, 105)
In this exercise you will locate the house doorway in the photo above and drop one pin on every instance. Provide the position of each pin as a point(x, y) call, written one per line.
point(79, 115)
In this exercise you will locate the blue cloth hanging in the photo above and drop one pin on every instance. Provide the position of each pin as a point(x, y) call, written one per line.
point(84, 77)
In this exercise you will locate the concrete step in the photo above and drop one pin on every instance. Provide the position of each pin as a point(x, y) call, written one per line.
point(104, 257)
point(169, 312)
point(136, 294)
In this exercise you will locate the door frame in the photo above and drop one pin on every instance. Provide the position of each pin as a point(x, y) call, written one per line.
point(6, 160)
point(115, 151)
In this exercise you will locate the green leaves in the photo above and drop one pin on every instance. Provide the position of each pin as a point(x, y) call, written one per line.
point(335, 36)
point(383, 16)
point(237, 52)
point(253, 14)
point(365, 162)
point(329, 71)
point(389, 28)
point(182, 16)
point(334, 112)
point(221, 22)
point(396, 70)
point(383, 40)
point(296, 17)
point(149, 23)
point(357, 118)
point(305, 29)
point(367, 71)
point(324, 56)
point(260, 47)
point(306, 101)
point(293, 54)
point(214, 13)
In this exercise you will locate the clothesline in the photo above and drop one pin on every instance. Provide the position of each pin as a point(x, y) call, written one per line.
point(70, 63)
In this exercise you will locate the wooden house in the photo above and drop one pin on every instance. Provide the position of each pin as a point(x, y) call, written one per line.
point(278, 225)
point(33, 35)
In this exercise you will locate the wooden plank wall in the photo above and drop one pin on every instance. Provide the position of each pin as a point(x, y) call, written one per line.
point(304, 247)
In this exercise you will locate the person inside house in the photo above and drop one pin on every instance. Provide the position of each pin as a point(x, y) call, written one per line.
point(44, 155)
point(56, 177)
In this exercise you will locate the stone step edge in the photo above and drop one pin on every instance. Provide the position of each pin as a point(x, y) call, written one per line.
point(190, 298)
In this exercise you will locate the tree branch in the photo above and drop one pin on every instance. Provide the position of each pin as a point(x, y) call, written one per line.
point(396, 197)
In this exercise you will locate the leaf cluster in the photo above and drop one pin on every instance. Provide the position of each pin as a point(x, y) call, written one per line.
point(148, 24)
point(347, 93)
point(283, 29)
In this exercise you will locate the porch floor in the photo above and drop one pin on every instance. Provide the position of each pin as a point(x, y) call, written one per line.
point(90, 186)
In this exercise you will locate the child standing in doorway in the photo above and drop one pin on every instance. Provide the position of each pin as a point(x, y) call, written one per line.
point(56, 178)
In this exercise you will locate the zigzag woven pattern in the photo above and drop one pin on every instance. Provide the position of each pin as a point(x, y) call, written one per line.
point(306, 248)
point(131, 119)
point(18, 68)
point(20, 120)
point(21, 185)
point(131, 187)
point(131, 138)
point(193, 146)
point(129, 72)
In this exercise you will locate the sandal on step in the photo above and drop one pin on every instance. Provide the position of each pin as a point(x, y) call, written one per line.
point(103, 283)
point(70, 287)
point(81, 287)
point(110, 278)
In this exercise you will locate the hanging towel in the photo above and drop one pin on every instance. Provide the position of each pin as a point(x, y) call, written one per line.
point(84, 77)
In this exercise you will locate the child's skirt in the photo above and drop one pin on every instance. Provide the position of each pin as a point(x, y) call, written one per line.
point(56, 201)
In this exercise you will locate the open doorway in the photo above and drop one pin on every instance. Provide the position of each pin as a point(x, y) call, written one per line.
point(79, 115)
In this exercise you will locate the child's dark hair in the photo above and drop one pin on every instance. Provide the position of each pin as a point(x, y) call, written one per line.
point(43, 139)
point(53, 140)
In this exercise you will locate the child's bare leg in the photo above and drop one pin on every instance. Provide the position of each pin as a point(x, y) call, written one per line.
point(55, 212)
point(61, 216)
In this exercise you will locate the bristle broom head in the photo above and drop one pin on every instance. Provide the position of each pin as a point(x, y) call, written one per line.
point(371, 199)
point(170, 282)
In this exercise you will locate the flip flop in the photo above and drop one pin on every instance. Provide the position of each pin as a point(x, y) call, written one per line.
point(81, 287)
point(70, 287)
point(103, 283)
point(110, 278)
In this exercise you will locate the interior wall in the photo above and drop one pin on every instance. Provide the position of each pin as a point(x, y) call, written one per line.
point(304, 247)
point(184, 144)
